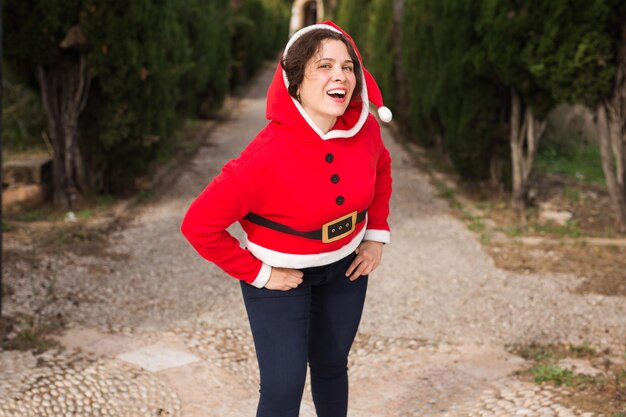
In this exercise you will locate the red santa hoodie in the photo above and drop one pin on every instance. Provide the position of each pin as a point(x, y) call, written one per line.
point(296, 178)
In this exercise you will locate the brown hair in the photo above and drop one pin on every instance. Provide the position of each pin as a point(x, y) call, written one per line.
point(304, 48)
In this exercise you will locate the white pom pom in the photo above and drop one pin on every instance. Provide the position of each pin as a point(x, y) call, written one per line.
point(385, 114)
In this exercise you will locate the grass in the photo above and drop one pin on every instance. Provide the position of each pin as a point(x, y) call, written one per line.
point(551, 372)
point(25, 332)
point(514, 230)
point(584, 350)
point(582, 163)
point(90, 207)
point(444, 191)
point(572, 194)
point(44, 213)
point(545, 372)
point(476, 226)
point(603, 393)
point(569, 229)
point(6, 227)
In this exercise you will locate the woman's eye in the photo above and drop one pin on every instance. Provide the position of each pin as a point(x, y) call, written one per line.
point(348, 68)
point(325, 66)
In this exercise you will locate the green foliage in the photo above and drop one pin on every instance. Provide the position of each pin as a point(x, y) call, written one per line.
point(444, 191)
point(504, 30)
point(419, 22)
point(569, 229)
point(37, 27)
point(463, 58)
point(152, 63)
point(23, 118)
point(449, 101)
point(568, 148)
point(553, 373)
point(260, 28)
point(549, 52)
point(352, 16)
point(572, 59)
point(137, 60)
point(379, 51)
point(583, 163)
point(583, 350)
point(204, 83)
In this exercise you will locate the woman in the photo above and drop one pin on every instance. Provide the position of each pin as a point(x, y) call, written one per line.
point(311, 192)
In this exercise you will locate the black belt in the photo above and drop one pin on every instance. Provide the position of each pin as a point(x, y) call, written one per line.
point(331, 231)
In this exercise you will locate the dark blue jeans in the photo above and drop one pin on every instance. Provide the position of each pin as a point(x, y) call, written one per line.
point(314, 323)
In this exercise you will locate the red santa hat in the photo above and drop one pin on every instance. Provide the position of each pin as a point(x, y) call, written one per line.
point(373, 92)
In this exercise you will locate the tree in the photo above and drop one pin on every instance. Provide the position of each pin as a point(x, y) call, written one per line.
point(451, 105)
point(138, 54)
point(507, 30)
point(352, 16)
point(204, 82)
point(380, 48)
point(114, 79)
point(611, 124)
point(260, 27)
point(47, 45)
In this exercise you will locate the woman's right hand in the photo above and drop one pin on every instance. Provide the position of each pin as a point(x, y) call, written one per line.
point(284, 279)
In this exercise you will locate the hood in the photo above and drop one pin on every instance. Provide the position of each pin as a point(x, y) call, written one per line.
point(286, 110)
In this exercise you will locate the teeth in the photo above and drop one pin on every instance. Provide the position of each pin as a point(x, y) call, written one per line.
point(340, 92)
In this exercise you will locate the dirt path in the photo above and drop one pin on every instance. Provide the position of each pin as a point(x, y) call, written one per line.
point(159, 331)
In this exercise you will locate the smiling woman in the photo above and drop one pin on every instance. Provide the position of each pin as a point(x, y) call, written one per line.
point(312, 192)
point(328, 84)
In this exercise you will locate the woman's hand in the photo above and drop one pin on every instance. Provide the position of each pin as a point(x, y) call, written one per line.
point(284, 279)
point(368, 256)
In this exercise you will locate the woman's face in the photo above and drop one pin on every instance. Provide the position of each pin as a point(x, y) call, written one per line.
point(328, 83)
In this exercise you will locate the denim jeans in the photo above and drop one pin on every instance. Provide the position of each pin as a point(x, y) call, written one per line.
point(315, 323)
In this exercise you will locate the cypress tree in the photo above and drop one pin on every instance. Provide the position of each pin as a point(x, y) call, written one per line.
point(451, 105)
point(352, 16)
point(544, 53)
point(45, 47)
point(138, 58)
point(380, 49)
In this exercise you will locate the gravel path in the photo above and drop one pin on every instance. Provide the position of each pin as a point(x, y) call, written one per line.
point(432, 342)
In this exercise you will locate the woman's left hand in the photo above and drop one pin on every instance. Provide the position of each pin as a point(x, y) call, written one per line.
point(368, 256)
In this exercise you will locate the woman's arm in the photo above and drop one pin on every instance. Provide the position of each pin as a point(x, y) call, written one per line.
point(222, 203)
point(370, 251)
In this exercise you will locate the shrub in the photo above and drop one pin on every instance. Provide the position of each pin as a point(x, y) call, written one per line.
point(380, 49)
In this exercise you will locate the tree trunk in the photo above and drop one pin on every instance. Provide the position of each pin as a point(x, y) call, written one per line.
point(495, 168)
point(64, 91)
point(611, 134)
point(525, 134)
point(611, 125)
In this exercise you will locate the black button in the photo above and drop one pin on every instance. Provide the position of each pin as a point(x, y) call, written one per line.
point(330, 157)
point(334, 179)
point(339, 200)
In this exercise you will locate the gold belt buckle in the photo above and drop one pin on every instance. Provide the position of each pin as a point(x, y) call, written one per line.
point(339, 228)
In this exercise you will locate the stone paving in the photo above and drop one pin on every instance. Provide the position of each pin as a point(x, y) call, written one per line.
point(153, 330)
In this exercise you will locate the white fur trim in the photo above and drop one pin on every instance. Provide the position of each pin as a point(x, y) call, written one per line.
point(332, 134)
point(291, 260)
point(263, 276)
point(382, 236)
point(385, 114)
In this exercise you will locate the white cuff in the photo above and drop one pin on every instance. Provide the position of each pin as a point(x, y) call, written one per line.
point(382, 236)
point(263, 276)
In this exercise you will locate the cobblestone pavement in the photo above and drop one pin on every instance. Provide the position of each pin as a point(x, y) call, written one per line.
point(432, 341)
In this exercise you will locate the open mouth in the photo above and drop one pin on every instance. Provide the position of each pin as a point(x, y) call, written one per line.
point(337, 93)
